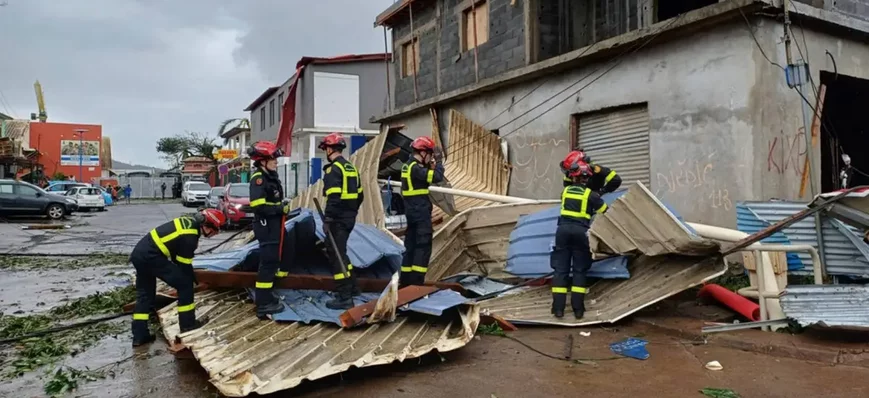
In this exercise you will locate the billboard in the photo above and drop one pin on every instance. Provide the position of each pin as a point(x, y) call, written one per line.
point(69, 153)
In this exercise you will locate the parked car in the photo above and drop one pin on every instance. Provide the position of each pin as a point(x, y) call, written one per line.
point(60, 187)
point(194, 193)
point(87, 198)
point(235, 204)
point(18, 198)
point(213, 198)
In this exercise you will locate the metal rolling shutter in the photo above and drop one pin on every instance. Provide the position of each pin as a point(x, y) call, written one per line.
point(618, 139)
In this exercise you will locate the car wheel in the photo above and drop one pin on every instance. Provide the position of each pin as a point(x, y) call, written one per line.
point(54, 212)
point(102, 209)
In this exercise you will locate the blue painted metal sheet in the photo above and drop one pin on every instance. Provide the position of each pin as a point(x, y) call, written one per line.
point(356, 142)
point(749, 222)
point(845, 252)
point(308, 306)
point(436, 303)
point(316, 170)
point(478, 284)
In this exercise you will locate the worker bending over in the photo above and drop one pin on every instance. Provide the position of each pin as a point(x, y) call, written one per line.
point(167, 253)
point(604, 180)
point(421, 171)
point(267, 202)
point(572, 251)
point(342, 187)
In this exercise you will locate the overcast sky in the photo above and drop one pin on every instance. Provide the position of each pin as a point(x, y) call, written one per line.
point(145, 69)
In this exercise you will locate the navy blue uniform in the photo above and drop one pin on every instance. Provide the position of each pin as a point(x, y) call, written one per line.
point(342, 187)
point(604, 180)
point(266, 194)
point(415, 180)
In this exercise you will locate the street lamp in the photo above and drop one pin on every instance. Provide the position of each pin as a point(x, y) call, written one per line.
point(80, 133)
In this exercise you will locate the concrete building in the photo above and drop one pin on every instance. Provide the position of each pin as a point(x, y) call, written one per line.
point(690, 98)
point(341, 94)
point(70, 149)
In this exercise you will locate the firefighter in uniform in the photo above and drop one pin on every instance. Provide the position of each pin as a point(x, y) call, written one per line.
point(572, 251)
point(604, 180)
point(421, 171)
point(269, 208)
point(342, 187)
point(167, 253)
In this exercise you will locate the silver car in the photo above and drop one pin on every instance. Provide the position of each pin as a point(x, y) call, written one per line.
point(213, 197)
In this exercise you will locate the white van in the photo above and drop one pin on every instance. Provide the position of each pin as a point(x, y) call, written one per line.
point(194, 193)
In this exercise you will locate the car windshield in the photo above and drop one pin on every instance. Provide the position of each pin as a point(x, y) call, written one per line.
point(198, 186)
point(215, 192)
point(38, 189)
point(241, 191)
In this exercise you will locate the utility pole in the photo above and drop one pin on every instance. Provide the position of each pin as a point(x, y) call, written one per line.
point(787, 6)
point(80, 133)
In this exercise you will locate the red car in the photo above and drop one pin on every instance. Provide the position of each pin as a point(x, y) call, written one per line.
point(235, 198)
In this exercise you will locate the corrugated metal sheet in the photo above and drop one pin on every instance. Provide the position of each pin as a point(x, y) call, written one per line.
point(749, 222)
point(478, 284)
point(844, 254)
point(18, 130)
point(652, 280)
point(307, 306)
point(638, 223)
point(618, 139)
point(474, 162)
point(436, 303)
point(243, 354)
point(476, 240)
point(829, 305)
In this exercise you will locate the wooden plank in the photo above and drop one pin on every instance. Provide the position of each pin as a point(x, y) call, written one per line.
point(816, 132)
point(503, 323)
point(356, 315)
point(238, 280)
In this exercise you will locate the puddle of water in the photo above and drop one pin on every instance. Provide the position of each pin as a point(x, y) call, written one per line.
point(37, 291)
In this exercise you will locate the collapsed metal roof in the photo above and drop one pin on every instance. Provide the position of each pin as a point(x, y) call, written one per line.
point(243, 354)
point(827, 305)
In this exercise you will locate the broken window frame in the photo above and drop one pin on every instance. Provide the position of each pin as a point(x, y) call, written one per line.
point(410, 57)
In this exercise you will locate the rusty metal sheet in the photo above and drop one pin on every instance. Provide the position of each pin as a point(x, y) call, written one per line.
point(245, 355)
point(638, 223)
point(829, 305)
point(652, 279)
point(474, 162)
point(476, 240)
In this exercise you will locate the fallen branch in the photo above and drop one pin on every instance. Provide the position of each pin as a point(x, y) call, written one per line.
point(64, 327)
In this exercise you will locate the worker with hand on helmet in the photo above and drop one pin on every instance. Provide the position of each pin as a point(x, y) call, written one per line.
point(342, 187)
point(266, 200)
point(167, 253)
point(421, 170)
point(572, 251)
point(604, 180)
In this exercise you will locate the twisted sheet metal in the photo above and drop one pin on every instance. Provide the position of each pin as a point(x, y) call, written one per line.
point(827, 305)
point(245, 355)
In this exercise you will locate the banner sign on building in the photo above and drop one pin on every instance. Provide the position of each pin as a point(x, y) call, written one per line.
point(70, 151)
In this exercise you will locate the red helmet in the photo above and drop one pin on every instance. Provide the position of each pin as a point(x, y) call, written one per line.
point(423, 144)
point(334, 140)
point(213, 218)
point(582, 170)
point(571, 162)
point(264, 150)
point(584, 156)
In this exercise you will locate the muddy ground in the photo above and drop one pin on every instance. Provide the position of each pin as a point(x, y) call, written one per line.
point(490, 366)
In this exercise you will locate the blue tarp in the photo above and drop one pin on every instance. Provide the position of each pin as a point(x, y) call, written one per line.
point(533, 238)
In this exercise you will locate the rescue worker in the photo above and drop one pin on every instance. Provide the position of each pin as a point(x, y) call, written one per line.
point(604, 180)
point(167, 253)
point(572, 251)
point(417, 175)
point(269, 208)
point(342, 187)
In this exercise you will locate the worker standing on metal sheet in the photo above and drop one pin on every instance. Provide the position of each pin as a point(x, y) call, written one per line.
point(342, 187)
point(572, 251)
point(422, 170)
point(167, 253)
point(267, 202)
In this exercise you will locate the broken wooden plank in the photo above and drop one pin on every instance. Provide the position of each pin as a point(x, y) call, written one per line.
point(237, 279)
point(357, 314)
point(505, 325)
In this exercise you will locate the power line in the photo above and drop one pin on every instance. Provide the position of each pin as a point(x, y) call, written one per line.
point(5, 104)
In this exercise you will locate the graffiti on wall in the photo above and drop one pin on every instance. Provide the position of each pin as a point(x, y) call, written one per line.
point(695, 180)
point(787, 153)
point(535, 160)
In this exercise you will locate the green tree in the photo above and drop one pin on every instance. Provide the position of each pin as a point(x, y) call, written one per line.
point(230, 124)
point(175, 148)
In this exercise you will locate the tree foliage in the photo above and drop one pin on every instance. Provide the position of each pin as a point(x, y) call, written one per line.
point(175, 148)
point(229, 124)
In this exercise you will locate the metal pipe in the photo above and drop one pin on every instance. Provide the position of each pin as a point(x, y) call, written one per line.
point(475, 195)
point(758, 259)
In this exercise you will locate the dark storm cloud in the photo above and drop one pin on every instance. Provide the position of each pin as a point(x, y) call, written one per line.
point(149, 68)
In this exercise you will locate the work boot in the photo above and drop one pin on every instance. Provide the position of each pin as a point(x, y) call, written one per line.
point(559, 300)
point(196, 325)
point(577, 301)
point(149, 338)
point(354, 291)
point(344, 296)
point(275, 307)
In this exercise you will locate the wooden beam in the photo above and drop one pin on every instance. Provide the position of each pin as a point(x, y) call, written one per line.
point(239, 280)
point(816, 132)
point(356, 315)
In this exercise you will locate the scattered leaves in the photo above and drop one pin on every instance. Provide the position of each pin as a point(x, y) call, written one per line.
point(95, 304)
point(60, 262)
point(492, 329)
point(66, 379)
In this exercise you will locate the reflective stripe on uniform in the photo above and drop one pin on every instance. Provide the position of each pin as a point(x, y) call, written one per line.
point(430, 176)
point(281, 274)
point(559, 290)
point(602, 208)
point(609, 177)
point(179, 230)
point(405, 176)
point(141, 317)
point(184, 260)
point(419, 268)
point(568, 179)
point(406, 269)
point(255, 175)
point(582, 198)
point(264, 285)
point(262, 201)
point(578, 289)
point(346, 174)
point(186, 308)
point(339, 277)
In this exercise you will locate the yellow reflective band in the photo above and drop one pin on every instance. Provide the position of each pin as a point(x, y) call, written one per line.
point(602, 208)
point(609, 177)
point(559, 290)
point(405, 176)
point(430, 176)
point(140, 317)
point(339, 277)
point(184, 260)
point(255, 175)
point(257, 202)
point(281, 274)
point(159, 243)
point(567, 194)
point(348, 172)
point(418, 268)
point(568, 179)
point(264, 285)
point(349, 267)
point(406, 269)
point(186, 308)
point(334, 190)
point(577, 289)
